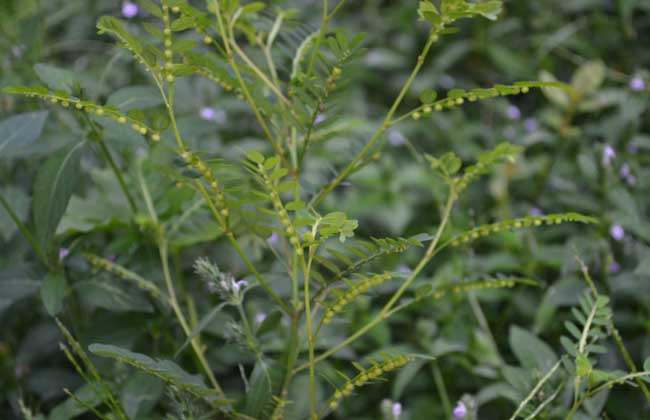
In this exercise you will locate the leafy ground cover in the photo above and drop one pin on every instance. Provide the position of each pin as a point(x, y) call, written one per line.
point(483, 256)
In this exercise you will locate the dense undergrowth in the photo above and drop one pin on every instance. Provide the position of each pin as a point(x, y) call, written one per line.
point(255, 211)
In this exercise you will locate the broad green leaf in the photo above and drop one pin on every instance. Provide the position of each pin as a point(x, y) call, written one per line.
point(589, 77)
point(112, 297)
point(489, 9)
point(56, 78)
point(53, 292)
point(255, 156)
point(557, 96)
point(140, 394)
point(166, 370)
point(19, 203)
point(152, 8)
point(14, 288)
point(135, 97)
point(260, 391)
point(19, 131)
point(253, 7)
point(428, 96)
point(53, 187)
point(71, 409)
point(531, 352)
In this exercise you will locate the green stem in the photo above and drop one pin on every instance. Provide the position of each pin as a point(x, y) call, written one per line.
point(118, 174)
point(442, 389)
point(319, 38)
point(171, 291)
point(375, 138)
point(310, 336)
point(386, 312)
point(23, 229)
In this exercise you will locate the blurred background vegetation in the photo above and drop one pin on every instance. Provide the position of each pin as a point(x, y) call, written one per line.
point(588, 153)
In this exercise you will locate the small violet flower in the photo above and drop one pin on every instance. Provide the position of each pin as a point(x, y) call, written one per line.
point(396, 409)
point(129, 9)
point(63, 252)
point(637, 84)
point(238, 285)
point(274, 239)
point(320, 118)
point(614, 267)
point(617, 232)
point(608, 155)
point(210, 114)
point(460, 411)
point(535, 212)
point(396, 138)
point(513, 112)
point(625, 171)
point(260, 317)
point(531, 125)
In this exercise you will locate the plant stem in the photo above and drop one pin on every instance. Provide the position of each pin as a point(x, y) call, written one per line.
point(352, 166)
point(386, 310)
point(227, 36)
point(310, 337)
point(537, 387)
point(23, 229)
point(233, 242)
point(118, 174)
point(319, 39)
point(173, 300)
point(442, 389)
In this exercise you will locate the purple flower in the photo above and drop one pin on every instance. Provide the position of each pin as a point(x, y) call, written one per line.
point(631, 180)
point(129, 10)
point(637, 84)
point(625, 171)
point(63, 252)
point(460, 411)
point(608, 155)
point(531, 124)
point(260, 317)
point(535, 212)
point(396, 138)
point(513, 112)
point(396, 409)
point(273, 239)
point(320, 118)
point(208, 113)
point(238, 285)
point(617, 232)
point(403, 268)
point(614, 267)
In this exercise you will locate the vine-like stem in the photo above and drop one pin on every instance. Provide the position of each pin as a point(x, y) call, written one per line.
point(537, 387)
point(24, 230)
point(442, 389)
point(171, 291)
point(352, 166)
point(319, 38)
point(387, 311)
point(233, 242)
point(111, 162)
point(617, 337)
point(227, 35)
point(310, 336)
